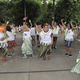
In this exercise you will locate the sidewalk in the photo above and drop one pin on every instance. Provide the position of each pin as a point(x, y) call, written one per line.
point(58, 68)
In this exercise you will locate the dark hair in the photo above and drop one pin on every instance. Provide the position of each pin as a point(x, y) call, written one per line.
point(8, 28)
point(70, 26)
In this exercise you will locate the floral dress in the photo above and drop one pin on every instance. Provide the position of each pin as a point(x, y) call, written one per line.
point(27, 45)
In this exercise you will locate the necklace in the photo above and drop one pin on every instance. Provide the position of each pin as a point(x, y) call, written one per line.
point(45, 34)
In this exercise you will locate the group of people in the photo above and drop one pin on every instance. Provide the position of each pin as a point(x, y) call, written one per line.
point(45, 37)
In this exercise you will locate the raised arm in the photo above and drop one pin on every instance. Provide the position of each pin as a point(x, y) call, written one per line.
point(73, 28)
point(30, 23)
point(63, 24)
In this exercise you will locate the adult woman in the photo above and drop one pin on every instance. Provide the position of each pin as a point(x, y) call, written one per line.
point(46, 39)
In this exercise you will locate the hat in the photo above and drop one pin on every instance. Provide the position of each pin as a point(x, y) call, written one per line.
point(2, 28)
point(46, 24)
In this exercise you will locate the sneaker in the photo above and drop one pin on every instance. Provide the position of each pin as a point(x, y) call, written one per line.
point(9, 55)
point(24, 57)
point(55, 47)
point(66, 54)
point(70, 54)
point(32, 55)
point(38, 46)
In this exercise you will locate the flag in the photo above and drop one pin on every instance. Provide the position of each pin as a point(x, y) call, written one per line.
point(25, 18)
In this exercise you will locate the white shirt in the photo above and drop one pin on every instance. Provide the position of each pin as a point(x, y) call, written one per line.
point(11, 36)
point(69, 35)
point(32, 31)
point(46, 37)
point(56, 31)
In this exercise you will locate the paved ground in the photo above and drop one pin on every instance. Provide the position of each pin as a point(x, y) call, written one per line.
point(58, 68)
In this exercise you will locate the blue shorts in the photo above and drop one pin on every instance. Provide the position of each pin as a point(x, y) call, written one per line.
point(68, 44)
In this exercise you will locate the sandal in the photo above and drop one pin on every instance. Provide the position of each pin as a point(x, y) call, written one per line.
point(3, 60)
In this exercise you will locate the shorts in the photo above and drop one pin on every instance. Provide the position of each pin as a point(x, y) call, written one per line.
point(54, 39)
point(12, 44)
point(33, 37)
point(38, 37)
point(68, 44)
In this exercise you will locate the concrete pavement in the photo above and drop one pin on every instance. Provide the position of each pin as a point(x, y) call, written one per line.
point(58, 68)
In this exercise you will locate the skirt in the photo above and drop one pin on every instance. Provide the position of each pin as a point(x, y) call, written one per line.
point(27, 47)
point(11, 44)
point(76, 68)
point(44, 49)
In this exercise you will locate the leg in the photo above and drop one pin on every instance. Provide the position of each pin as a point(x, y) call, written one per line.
point(69, 48)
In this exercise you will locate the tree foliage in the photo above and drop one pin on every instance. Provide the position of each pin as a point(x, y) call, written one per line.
point(67, 9)
point(36, 11)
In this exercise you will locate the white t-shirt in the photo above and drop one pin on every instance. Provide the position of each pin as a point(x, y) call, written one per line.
point(32, 31)
point(69, 35)
point(46, 37)
point(56, 31)
point(11, 36)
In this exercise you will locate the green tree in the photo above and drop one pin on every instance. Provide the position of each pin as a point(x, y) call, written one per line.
point(68, 10)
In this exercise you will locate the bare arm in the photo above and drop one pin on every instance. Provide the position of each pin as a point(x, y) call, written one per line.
point(63, 24)
point(30, 23)
point(5, 37)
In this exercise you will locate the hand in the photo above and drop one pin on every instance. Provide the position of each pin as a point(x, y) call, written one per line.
point(7, 22)
point(62, 20)
point(30, 21)
point(65, 23)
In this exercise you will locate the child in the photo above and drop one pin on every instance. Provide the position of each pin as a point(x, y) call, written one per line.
point(46, 39)
point(10, 40)
point(27, 45)
point(68, 37)
point(55, 33)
